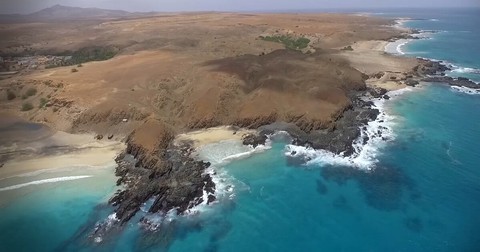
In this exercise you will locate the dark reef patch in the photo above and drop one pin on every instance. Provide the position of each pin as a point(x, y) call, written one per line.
point(382, 187)
point(321, 187)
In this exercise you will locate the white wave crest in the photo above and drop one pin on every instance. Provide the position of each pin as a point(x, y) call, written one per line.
point(365, 156)
point(44, 181)
point(396, 46)
point(219, 154)
point(466, 90)
point(458, 69)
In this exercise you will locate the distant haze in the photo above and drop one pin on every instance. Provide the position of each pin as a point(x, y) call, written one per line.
point(28, 6)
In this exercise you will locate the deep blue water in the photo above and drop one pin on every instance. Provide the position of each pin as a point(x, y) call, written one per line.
point(422, 195)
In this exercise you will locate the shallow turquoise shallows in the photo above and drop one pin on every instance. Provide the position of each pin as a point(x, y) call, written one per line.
point(423, 195)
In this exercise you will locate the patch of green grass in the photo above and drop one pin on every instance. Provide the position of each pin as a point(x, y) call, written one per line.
point(43, 101)
point(27, 106)
point(288, 41)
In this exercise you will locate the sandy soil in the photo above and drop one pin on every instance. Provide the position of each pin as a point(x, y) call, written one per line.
point(370, 58)
point(192, 71)
point(212, 135)
point(91, 156)
point(31, 148)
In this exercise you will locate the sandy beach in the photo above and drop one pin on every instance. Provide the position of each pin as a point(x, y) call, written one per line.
point(28, 147)
point(212, 135)
point(370, 58)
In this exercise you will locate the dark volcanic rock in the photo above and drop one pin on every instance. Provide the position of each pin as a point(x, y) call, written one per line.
point(256, 139)
point(412, 83)
point(378, 92)
point(459, 82)
point(338, 138)
point(177, 182)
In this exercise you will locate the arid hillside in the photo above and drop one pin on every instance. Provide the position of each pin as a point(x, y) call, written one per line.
point(190, 71)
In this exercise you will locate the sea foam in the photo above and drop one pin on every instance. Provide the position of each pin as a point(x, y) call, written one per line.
point(43, 181)
point(365, 156)
point(466, 90)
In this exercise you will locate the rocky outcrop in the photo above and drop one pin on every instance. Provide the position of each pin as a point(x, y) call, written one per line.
point(338, 138)
point(459, 82)
point(153, 167)
point(429, 67)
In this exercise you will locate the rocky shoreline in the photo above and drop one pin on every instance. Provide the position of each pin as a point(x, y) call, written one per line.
point(177, 181)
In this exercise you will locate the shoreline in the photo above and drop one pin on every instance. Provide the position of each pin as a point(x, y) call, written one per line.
point(155, 152)
point(30, 149)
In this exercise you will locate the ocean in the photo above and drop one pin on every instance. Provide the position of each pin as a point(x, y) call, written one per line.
point(417, 191)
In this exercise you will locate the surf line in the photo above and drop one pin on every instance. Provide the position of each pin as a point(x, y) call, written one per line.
point(43, 181)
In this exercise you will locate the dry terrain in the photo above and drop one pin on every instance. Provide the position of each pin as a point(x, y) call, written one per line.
point(198, 70)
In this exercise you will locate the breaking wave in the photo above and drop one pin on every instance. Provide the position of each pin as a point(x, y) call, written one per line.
point(466, 90)
point(43, 181)
point(377, 133)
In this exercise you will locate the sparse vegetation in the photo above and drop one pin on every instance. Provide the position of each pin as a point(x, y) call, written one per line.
point(11, 95)
point(86, 54)
point(43, 101)
point(92, 54)
point(27, 106)
point(347, 48)
point(55, 109)
point(74, 70)
point(31, 92)
point(288, 41)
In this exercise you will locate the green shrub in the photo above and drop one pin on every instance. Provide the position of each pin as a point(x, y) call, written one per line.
point(288, 41)
point(27, 106)
point(43, 101)
point(11, 95)
point(347, 48)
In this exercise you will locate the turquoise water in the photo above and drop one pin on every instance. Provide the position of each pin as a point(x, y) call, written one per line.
point(423, 194)
point(45, 217)
point(455, 41)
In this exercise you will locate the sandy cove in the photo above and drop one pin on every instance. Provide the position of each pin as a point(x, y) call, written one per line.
point(370, 58)
point(213, 135)
point(28, 148)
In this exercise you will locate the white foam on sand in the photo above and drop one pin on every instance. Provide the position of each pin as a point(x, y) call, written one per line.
point(43, 181)
point(379, 132)
point(396, 46)
point(219, 154)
